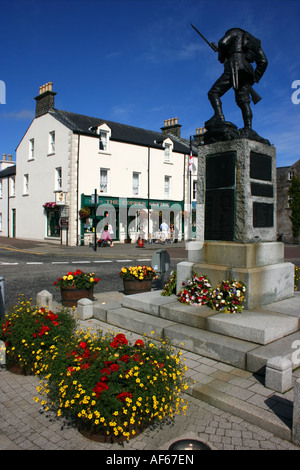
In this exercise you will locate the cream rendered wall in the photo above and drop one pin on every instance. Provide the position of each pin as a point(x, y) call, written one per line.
point(3, 208)
point(122, 160)
point(30, 214)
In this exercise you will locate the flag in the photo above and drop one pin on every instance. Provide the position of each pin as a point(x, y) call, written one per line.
point(191, 157)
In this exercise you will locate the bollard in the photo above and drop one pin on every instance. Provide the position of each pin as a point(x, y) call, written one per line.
point(85, 309)
point(2, 297)
point(44, 299)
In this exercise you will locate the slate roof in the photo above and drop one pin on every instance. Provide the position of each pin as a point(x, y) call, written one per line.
point(82, 124)
point(9, 171)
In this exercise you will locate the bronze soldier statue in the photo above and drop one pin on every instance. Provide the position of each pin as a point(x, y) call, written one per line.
point(237, 50)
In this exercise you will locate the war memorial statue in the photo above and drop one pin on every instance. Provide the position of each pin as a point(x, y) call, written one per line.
point(236, 215)
point(237, 50)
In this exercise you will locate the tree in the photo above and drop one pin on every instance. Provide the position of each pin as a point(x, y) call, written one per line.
point(294, 195)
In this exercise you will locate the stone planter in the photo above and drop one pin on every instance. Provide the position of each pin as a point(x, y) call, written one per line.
point(70, 295)
point(99, 435)
point(15, 367)
point(134, 286)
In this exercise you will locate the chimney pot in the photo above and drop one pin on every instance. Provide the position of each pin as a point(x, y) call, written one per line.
point(4, 156)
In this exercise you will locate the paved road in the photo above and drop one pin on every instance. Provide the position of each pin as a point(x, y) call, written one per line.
point(29, 267)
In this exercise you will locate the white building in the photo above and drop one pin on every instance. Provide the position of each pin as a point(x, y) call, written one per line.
point(65, 159)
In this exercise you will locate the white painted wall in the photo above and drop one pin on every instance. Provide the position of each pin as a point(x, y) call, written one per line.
point(31, 216)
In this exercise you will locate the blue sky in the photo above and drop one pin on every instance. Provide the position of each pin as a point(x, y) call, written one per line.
point(139, 62)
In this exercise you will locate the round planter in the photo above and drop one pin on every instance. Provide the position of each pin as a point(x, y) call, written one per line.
point(97, 435)
point(71, 295)
point(132, 286)
point(16, 368)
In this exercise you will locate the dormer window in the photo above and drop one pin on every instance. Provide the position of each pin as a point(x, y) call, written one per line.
point(104, 133)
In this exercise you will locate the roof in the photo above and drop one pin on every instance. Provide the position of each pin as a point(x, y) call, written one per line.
point(9, 171)
point(82, 124)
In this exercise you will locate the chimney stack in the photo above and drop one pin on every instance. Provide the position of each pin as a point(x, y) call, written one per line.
point(4, 163)
point(199, 137)
point(45, 100)
point(171, 127)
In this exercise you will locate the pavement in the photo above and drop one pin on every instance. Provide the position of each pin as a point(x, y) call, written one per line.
point(228, 408)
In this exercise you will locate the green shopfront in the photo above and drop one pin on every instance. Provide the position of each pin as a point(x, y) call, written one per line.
point(130, 218)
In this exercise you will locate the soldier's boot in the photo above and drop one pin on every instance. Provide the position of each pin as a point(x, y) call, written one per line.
point(247, 115)
point(217, 107)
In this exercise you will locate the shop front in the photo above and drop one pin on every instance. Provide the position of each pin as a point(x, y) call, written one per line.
point(130, 219)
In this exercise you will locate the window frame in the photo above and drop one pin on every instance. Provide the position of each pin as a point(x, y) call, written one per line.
point(169, 179)
point(107, 170)
point(58, 179)
point(138, 175)
point(51, 143)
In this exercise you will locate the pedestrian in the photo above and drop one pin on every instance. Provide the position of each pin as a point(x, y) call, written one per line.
point(164, 231)
point(106, 239)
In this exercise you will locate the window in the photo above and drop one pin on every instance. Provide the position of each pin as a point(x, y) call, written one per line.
point(194, 189)
point(167, 186)
point(135, 183)
point(12, 186)
point(103, 141)
point(31, 149)
point(104, 180)
point(52, 142)
point(1, 189)
point(290, 175)
point(58, 179)
point(1, 221)
point(26, 184)
point(104, 133)
point(167, 154)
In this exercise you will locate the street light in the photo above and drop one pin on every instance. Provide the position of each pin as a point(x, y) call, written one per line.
point(189, 444)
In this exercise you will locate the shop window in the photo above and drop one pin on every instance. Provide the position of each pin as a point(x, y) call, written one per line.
point(53, 229)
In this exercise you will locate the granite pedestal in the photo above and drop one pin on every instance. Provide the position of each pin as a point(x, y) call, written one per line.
point(236, 222)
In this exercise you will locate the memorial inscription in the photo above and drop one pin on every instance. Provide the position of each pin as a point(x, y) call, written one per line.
point(220, 196)
point(260, 167)
point(263, 215)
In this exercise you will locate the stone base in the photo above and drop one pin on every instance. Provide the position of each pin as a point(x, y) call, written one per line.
point(260, 266)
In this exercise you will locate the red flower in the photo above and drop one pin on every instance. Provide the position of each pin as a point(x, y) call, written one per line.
point(139, 342)
point(82, 344)
point(123, 395)
point(105, 370)
point(99, 388)
point(125, 358)
point(114, 367)
point(118, 341)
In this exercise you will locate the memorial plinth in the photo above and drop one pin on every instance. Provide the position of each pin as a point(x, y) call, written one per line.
point(236, 222)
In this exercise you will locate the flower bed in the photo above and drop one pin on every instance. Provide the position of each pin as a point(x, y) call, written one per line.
point(29, 334)
point(111, 388)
